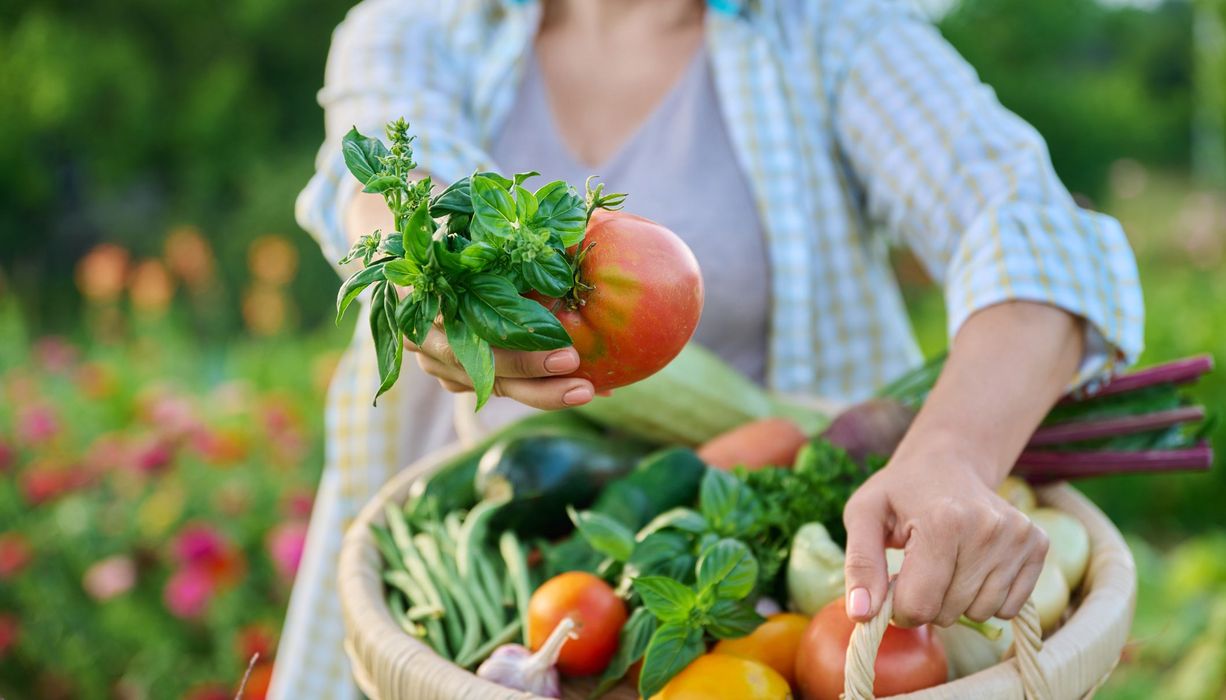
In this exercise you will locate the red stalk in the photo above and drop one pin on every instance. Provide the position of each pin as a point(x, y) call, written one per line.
point(1094, 429)
point(1051, 465)
point(1176, 372)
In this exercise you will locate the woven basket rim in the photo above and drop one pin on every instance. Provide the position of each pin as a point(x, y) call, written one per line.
point(1075, 658)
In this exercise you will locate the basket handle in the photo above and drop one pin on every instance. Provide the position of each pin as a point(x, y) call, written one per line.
point(858, 671)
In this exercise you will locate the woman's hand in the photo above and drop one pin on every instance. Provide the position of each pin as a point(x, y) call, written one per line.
point(968, 551)
point(533, 378)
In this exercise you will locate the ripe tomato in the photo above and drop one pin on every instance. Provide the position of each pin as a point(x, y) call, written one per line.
point(641, 303)
point(720, 677)
point(908, 660)
point(774, 643)
point(598, 614)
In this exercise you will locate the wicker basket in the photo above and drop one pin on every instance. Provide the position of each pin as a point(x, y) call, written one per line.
point(390, 665)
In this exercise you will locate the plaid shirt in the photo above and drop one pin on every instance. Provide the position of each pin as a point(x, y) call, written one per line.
point(858, 126)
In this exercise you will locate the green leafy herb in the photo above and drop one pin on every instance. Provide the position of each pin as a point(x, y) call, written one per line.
point(496, 241)
point(673, 646)
point(631, 646)
point(605, 534)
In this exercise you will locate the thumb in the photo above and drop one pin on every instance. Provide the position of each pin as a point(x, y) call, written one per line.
point(865, 566)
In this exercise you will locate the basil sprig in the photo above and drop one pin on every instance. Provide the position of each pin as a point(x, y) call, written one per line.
point(464, 258)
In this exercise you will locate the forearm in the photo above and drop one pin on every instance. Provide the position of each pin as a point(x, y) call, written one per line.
point(1007, 365)
point(365, 213)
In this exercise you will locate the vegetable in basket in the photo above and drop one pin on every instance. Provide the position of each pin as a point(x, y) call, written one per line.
point(596, 610)
point(774, 643)
point(503, 266)
point(515, 666)
point(723, 676)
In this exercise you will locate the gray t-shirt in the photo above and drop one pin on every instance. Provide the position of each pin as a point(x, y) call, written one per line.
point(680, 170)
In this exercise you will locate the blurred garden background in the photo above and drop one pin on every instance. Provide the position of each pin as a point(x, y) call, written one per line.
point(166, 334)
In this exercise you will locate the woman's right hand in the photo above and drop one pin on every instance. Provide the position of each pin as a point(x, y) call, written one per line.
point(537, 379)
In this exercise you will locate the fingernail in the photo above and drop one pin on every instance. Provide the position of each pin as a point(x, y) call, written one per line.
point(577, 396)
point(857, 602)
point(561, 361)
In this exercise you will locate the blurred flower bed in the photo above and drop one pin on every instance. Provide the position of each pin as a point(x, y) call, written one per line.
point(154, 489)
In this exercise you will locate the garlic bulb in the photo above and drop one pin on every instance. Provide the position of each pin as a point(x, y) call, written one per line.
point(515, 666)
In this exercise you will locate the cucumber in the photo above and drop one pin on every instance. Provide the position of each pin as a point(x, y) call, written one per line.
point(540, 475)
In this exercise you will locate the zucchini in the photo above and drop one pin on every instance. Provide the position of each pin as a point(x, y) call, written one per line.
point(694, 398)
point(540, 475)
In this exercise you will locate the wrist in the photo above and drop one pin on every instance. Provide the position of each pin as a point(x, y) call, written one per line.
point(951, 452)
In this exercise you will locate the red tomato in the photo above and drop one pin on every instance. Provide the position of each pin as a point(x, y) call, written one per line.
point(643, 304)
point(908, 660)
point(598, 614)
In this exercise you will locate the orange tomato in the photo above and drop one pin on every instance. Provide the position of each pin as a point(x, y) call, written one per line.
point(598, 614)
point(774, 643)
point(723, 677)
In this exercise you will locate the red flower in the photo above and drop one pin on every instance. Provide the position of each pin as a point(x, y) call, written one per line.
point(200, 546)
point(208, 691)
point(45, 481)
point(220, 447)
point(7, 455)
point(14, 554)
point(255, 639)
point(188, 592)
point(10, 629)
point(298, 504)
point(258, 682)
point(285, 544)
point(150, 455)
point(36, 424)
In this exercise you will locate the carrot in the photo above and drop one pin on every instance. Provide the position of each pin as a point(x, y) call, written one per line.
point(760, 443)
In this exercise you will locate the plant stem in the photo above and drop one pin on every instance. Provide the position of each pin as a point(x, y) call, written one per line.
point(1093, 429)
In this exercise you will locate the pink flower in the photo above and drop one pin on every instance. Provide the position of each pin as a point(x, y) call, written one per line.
point(298, 504)
point(14, 554)
point(110, 577)
point(199, 544)
point(172, 416)
point(10, 629)
point(285, 544)
point(108, 451)
point(188, 592)
point(7, 455)
point(36, 424)
point(150, 454)
point(55, 354)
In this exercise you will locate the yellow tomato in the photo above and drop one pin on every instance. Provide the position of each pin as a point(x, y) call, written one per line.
point(774, 643)
point(722, 677)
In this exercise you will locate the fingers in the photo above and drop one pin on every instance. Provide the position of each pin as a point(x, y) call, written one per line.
point(507, 363)
point(548, 394)
point(1023, 584)
point(865, 567)
point(928, 568)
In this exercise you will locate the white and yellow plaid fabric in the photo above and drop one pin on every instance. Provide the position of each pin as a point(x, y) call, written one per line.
point(857, 125)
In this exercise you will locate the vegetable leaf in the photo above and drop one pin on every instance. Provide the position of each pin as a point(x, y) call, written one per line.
point(729, 619)
point(362, 155)
point(494, 310)
point(684, 519)
point(383, 183)
point(727, 503)
point(353, 286)
point(525, 204)
point(562, 211)
point(671, 649)
point(605, 534)
point(415, 317)
point(668, 600)
point(388, 346)
point(550, 274)
point(456, 199)
point(631, 645)
point(474, 354)
point(476, 256)
point(664, 553)
point(728, 569)
point(401, 271)
point(494, 216)
point(418, 233)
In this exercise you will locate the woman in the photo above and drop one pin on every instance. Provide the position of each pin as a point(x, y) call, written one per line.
point(786, 141)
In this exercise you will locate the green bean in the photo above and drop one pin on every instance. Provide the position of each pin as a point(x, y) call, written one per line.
point(429, 549)
point(386, 547)
point(424, 612)
point(418, 599)
point(505, 636)
point(517, 568)
point(490, 581)
point(472, 533)
point(451, 525)
point(421, 574)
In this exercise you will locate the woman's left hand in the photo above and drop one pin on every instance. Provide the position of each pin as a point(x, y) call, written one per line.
point(968, 551)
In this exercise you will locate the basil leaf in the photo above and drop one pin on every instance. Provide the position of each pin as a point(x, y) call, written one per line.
point(456, 199)
point(664, 554)
point(727, 503)
point(478, 256)
point(493, 210)
point(383, 183)
point(550, 274)
point(671, 649)
point(495, 311)
point(665, 598)
point(525, 204)
point(605, 534)
point(418, 233)
point(354, 285)
point(392, 245)
point(414, 317)
point(562, 211)
point(402, 271)
point(474, 354)
point(520, 178)
point(631, 645)
point(684, 519)
point(362, 155)
point(729, 619)
point(389, 348)
point(728, 569)
point(448, 259)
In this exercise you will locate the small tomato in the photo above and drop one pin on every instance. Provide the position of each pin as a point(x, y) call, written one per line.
point(597, 611)
point(774, 643)
point(722, 677)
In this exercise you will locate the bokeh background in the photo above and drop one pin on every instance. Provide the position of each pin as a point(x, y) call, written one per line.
point(166, 335)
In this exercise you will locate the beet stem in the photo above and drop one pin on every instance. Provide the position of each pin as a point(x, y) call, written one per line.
point(1051, 465)
point(1176, 372)
point(1093, 429)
